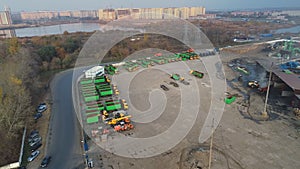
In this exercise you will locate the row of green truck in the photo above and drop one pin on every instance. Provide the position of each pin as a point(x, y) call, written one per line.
point(97, 94)
point(148, 62)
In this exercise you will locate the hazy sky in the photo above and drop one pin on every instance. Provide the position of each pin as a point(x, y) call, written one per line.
point(34, 5)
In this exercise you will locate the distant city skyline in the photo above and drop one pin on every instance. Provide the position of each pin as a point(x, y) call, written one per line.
point(59, 5)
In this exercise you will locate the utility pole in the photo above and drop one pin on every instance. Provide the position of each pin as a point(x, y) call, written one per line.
point(211, 144)
point(265, 113)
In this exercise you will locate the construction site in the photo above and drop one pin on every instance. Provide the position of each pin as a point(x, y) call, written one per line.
point(259, 128)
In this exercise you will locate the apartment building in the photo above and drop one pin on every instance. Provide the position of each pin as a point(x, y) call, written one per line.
point(151, 13)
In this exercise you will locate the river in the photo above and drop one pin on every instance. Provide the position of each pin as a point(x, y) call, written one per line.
point(54, 29)
point(295, 29)
point(84, 27)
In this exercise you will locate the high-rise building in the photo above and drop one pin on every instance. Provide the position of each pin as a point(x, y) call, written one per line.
point(5, 17)
point(107, 14)
point(65, 13)
point(122, 12)
point(39, 15)
point(8, 33)
point(152, 13)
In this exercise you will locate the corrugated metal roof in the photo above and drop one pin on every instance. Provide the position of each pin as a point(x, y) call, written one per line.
point(293, 80)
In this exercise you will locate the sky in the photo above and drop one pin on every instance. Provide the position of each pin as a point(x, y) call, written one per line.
point(58, 5)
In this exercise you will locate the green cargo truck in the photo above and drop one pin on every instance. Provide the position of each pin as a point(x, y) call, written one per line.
point(110, 69)
point(197, 73)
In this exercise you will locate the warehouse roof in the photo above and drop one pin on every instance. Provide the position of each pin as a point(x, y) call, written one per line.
point(293, 80)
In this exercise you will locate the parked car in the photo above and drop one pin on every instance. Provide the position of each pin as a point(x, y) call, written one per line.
point(46, 161)
point(164, 87)
point(35, 141)
point(36, 146)
point(174, 84)
point(42, 107)
point(33, 155)
point(33, 138)
point(33, 132)
point(37, 116)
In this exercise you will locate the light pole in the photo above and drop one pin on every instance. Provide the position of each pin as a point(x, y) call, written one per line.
point(211, 145)
point(265, 113)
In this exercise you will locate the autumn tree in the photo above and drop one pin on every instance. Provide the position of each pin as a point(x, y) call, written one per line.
point(47, 53)
point(13, 46)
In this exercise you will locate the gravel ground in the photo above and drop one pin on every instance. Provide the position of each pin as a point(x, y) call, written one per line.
point(239, 142)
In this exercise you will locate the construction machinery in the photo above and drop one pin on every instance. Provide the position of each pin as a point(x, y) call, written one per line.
point(253, 84)
point(177, 77)
point(120, 122)
point(242, 70)
point(110, 69)
point(115, 121)
point(297, 112)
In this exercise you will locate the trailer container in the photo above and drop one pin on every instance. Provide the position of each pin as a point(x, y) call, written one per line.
point(92, 98)
point(112, 102)
point(94, 119)
point(94, 103)
point(92, 115)
point(100, 108)
point(104, 88)
point(100, 80)
point(84, 82)
point(106, 93)
point(88, 88)
point(113, 107)
point(94, 109)
point(89, 114)
point(90, 93)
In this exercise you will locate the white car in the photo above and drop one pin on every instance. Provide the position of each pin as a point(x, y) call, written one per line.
point(41, 108)
point(33, 155)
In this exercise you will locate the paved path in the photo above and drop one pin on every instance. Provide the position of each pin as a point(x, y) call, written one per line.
point(64, 132)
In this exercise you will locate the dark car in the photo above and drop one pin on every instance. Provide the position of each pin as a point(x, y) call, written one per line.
point(164, 87)
point(34, 140)
point(46, 161)
point(36, 146)
point(33, 133)
point(174, 84)
point(37, 116)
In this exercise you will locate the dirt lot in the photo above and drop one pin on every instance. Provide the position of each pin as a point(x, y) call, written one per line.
point(239, 142)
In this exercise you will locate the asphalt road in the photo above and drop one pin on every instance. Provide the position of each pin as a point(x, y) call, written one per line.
point(64, 132)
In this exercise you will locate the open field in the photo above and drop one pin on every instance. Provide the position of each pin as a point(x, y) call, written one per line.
point(239, 142)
